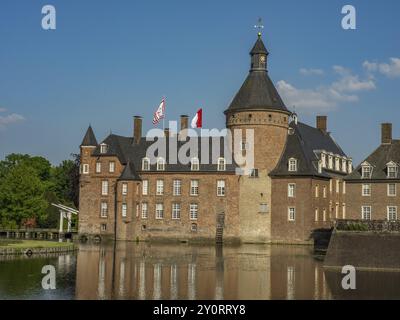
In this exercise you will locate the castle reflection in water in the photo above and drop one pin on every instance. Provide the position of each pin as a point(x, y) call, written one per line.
point(145, 271)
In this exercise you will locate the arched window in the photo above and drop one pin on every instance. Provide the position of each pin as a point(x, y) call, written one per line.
point(160, 164)
point(195, 164)
point(292, 165)
point(145, 164)
point(221, 164)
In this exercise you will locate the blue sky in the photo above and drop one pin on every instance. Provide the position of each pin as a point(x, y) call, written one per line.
point(110, 60)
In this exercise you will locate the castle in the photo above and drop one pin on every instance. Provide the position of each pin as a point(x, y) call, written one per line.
point(297, 184)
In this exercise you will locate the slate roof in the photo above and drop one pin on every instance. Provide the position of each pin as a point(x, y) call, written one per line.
point(129, 173)
point(257, 92)
point(305, 144)
point(378, 159)
point(89, 139)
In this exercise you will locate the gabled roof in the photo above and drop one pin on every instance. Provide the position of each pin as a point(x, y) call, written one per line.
point(89, 138)
point(379, 159)
point(303, 144)
point(129, 173)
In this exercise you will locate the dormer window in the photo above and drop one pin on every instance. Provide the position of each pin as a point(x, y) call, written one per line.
point(221, 164)
point(337, 164)
point(160, 164)
point(195, 164)
point(350, 167)
point(145, 164)
point(344, 165)
point(292, 165)
point(391, 170)
point(330, 162)
point(103, 148)
point(366, 171)
point(323, 159)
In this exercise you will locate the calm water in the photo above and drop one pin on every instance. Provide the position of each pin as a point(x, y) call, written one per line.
point(149, 271)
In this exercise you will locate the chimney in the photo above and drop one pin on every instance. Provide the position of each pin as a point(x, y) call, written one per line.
point(386, 133)
point(184, 127)
point(137, 129)
point(166, 133)
point(322, 123)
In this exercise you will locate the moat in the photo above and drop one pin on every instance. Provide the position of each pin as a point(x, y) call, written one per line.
point(167, 271)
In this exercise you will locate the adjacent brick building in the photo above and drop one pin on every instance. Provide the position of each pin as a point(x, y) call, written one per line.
point(296, 184)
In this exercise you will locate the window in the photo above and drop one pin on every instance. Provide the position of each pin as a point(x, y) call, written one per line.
point(137, 209)
point(124, 210)
point(337, 186)
point(103, 227)
point(263, 208)
point(391, 189)
point(323, 160)
point(343, 211)
point(316, 215)
point(103, 148)
point(291, 190)
point(221, 188)
point(193, 227)
point(391, 213)
point(124, 189)
point(221, 164)
point(176, 211)
point(85, 169)
point(330, 186)
point(194, 209)
point(330, 162)
point(112, 167)
point(366, 172)
point(104, 188)
point(145, 164)
point(145, 187)
point(392, 171)
point(324, 215)
point(319, 167)
point(292, 165)
point(160, 164)
point(324, 191)
point(104, 210)
point(160, 187)
point(337, 164)
point(344, 187)
point(366, 212)
point(159, 211)
point(366, 190)
point(337, 211)
point(350, 167)
point(317, 191)
point(254, 173)
point(145, 210)
point(98, 167)
point(194, 187)
point(177, 188)
point(195, 164)
point(292, 214)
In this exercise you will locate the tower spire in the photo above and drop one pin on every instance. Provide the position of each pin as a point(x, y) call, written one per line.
point(259, 26)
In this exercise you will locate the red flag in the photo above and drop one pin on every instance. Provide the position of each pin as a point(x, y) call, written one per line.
point(197, 121)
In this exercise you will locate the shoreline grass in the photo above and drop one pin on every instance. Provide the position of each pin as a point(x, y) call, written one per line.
point(31, 244)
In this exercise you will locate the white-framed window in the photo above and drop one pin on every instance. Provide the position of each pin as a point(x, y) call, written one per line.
point(221, 164)
point(330, 162)
point(104, 188)
point(177, 187)
point(103, 148)
point(176, 211)
point(104, 210)
point(324, 215)
point(193, 211)
point(344, 187)
point(366, 190)
point(263, 208)
point(330, 185)
point(350, 166)
point(254, 173)
point(316, 215)
point(160, 164)
point(145, 187)
point(145, 164)
point(392, 171)
point(323, 160)
point(195, 164)
point(317, 191)
point(337, 164)
point(159, 211)
point(145, 210)
point(124, 189)
point(292, 165)
point(85, 168)
point(98, 167)
point(366, 172)
point(112, 167)
point(343, 211)
point(337, 186)
point(344, 165)
point(194, 187)
point(324, 191)
point(291, 190)
point(291, 214)
point(124, 210)
point(221, 188)
point(103, 227)
point(160, 187)
point(392, 213)
point(366, 212)
point(391, 189)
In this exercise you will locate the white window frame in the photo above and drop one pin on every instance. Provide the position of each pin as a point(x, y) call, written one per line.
point(388, 190)
point(194, 187)
point(124, 210)
point(98, 167)
point(323, 160)
point(324, 215)
point(145, 187)
point(221, 188)
point(292, 165)
point(366, 172)
point(221, 164)
point(124, 189)
point(344, 165)
point(337, 164)
point(391, 171)
point(350, 167)
point(145, 164)
point(103, 148)
point(160, 187)
point(85, 168)
point(193, 211)
point(176, 211)
point(330, 162)
point(366, 190)
point(159, 211)
point(104, 209)
point(195, 164)
point(111, 167)
point(316, 215)
point(104, 188)
point(291, 214)
point(343, 211)
point(389, 213)
point(160, 164)
point(177, 187)
point(145, 210)
point(291, 190)
point(324, 192)
point(337, 186)
point(366, 211)
point(343, 187)
point(316, 191)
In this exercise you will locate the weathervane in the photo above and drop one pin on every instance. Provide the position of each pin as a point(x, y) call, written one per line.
point(259, 26)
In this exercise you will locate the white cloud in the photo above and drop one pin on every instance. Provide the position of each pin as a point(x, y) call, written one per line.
point(10, 119)
point(391, 69)
point(351, 83)
point(311, 72)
